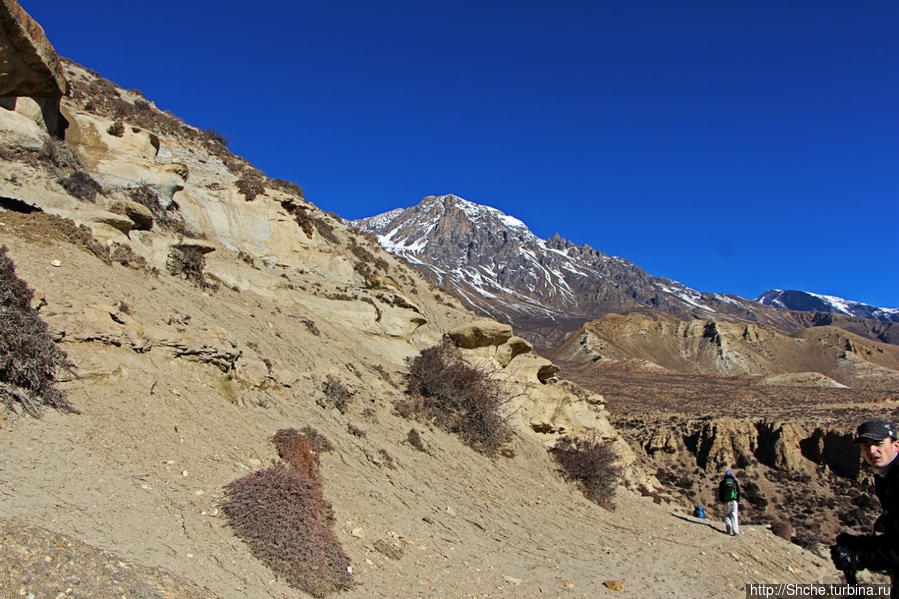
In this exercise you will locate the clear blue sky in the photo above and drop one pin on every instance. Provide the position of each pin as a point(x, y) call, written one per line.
point(733, 146)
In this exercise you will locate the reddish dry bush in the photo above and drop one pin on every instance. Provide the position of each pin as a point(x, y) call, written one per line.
point(318, 441)
point(29, 359)
point(592, 464)
point(286, 521)
point(457, 397)
point(295, 448)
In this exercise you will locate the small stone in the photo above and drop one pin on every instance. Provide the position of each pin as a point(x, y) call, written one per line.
point(185, 473)
point(568, 584)
point(56, 263)
point(512, 580)
point(357, 532)
point(615, 585)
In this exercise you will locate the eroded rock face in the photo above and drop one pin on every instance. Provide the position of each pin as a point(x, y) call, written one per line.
point(30, 65)
point(481, 334)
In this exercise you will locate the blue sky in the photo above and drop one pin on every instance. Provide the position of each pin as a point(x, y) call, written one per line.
point(733, 146)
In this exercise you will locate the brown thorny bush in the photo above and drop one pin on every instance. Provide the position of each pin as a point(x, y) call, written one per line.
point(457, 397)
point(296, 449)
point(592, 464)
point(283, 516)
point(29, 359)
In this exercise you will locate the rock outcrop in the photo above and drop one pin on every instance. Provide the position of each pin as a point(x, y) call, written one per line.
point(30, 66)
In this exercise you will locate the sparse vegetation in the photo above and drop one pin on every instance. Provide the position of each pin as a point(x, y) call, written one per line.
point(592, 464)
point(415, 440)
point(336, 394)
point(250, 186)
point(189, 263)
point(283, 516)
point(216, 137)
point(325, 230)
point(116, 129)
point(80, 185)
point(169, 218)
point(29, 360)
point(457, 397)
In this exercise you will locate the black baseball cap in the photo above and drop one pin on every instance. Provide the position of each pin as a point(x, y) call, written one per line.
point(876, 430)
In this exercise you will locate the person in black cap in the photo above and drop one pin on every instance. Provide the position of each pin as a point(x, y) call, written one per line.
point(879, 551)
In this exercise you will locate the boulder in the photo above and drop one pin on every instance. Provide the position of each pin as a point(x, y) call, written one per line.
point(481, 333)
point(139, 214)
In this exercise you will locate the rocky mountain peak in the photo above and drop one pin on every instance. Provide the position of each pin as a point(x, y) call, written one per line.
point(804, 301)
point(498, 266)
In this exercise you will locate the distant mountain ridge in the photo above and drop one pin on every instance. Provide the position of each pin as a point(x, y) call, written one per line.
point(496, 265)
point(812, 302)
point(548, 287)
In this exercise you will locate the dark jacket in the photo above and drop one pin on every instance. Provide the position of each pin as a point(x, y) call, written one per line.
point(880, 551)
point(722, 489)
point(883, 548)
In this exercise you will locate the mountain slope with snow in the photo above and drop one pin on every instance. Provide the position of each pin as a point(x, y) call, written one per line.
point(812, 302)
point(544, 287)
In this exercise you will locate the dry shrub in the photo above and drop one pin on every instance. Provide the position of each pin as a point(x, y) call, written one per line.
point(79, 235)
point(295, 448)
point(288, 187)
point(80, 185)
point(216, 137)
point(286, 521)
point(189, 263)
point(783, 529)
point(325, 229)
point(250, 186)
point(117, 129)
point(368, 258)
point(124, 255)
point(592, 464)
point(300, 214)
point(319, 442)
point(60, 155)
point(336, 394)
point(29, 359)
point(167, 218)
point(457, 397)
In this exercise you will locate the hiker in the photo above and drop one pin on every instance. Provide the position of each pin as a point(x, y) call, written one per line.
point(879, 551)
point(729, 495)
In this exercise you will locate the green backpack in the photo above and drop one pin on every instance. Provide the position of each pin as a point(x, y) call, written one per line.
point(728, 490)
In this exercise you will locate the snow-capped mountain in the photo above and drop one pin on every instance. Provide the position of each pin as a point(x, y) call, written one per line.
point(813, 302)
point(544, 287)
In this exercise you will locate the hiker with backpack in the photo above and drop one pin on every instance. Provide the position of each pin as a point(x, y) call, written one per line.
point(879, 551)
point(729, 495)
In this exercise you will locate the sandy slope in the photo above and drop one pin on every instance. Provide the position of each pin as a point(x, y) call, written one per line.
point(141, 471)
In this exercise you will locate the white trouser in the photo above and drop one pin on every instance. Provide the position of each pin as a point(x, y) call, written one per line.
point(732, 516)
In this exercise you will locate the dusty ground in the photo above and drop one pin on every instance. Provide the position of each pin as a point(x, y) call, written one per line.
point(140, 472)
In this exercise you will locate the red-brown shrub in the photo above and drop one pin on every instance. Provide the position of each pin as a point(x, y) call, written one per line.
point(458, 397)
point(592, 464)
point(295, 448)
point(286, 521)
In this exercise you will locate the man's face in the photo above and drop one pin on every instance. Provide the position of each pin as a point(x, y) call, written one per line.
point(879, 454)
